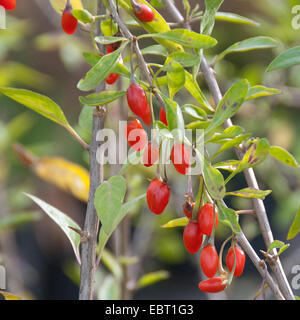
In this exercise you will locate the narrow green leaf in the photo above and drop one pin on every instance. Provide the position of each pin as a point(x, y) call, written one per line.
point(295, 227)
point(112, 264)
point(229, 104)
point(63, 221)
point(284, 156)
point(82, 15)
point(232, 143)
point(228, 217)
point(289, 58)
point(175, 76)
point(194, 112)
point(229, 165)
point(214, 181)
point(208, 20)
point(235, 18)
point(276, 244)
point(179, 222)
point(229, 133)
point(86, 119)
point(108, 40)
point(249, 44)
point(249, 193)
point(261, 91)
point(108, 27)
point(152, 278)
point(99, 72)
point(155, 50)
point(101, 98)
point(185, 59)
point(18, 219)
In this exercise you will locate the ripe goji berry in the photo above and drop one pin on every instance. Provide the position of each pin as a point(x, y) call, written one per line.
point(112, 78)
point(206, 218)
point(188, 209)
point(158, 195)
point(213, 285)
point(240, 260)
point(163, 116)
point(192, 237)
point(143, 12)
point(68, 22)
point(150, 155)
point(209, 260)
point(180, 156)
point(136, 135)
point(8, 4)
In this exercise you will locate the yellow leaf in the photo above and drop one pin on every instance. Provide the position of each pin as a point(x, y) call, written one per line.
point(59, 5)
point(8, 296)
point(179, 222)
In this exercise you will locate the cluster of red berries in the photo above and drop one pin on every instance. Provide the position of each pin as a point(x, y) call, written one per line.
point(209, 259)
point(8, 4)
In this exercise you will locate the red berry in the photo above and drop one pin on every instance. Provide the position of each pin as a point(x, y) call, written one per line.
point(206, 218)
point(212, 285)
point(240, 260)
point(209, 260)
point(158, 195)
point(109, 48)
point(112, 78)
point(68, 22)
point(192, 237)
point(136, 135)
point(180, 156)
point(8, 4)
point(143, 12)
point(150, 155)
point(138, 102)
point(163, 116)
point(188, 209)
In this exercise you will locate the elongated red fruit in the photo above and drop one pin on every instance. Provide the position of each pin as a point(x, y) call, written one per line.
point(209, 261)
point(143, 12)
point(240, 260)
point(150, 155)
point(136, 135)
point(112, 78)
point(192, 237)
point(8, 4)
point(188, 209)
point(206, 218)
point(212, 285)
point(163, 116)
point(158, 195)
point(68, 22)
point(138, 102)
point(180, 156)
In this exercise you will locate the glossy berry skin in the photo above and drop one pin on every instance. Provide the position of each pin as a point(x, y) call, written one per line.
point(143, 12)
point(188, 209)
point(68, 22)
point(151, 155)
point(209, 261)
point(109, 48)
point(206, 218)
point(112, 78)
point(212, 285)
point(180, 156)
point(138, 102)
point(192, 237)
point(8, 4)
point(158, 195)
point(240, 260)
point(163, 116)
point(136, 135)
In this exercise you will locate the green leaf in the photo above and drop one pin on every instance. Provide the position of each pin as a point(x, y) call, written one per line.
point(295, 227)
point(261, 91)
point(101, 98)
point(186, 38)
point(175, 76)
point(284, 156)
point(229, 133)
point(38, 103)
point(185, 59)
point(18, 219)
point(155, 50)
point(134, 157)
point(107, 40)
point(249, 193)
point(235, 18)
point(276, 244)
point(99, 72)
point(194, 112)
point(232, 143)
point(63, 221)
point(174, 118)
point(228, 217)
point(214, 181)
point(109, 289)
point(108, 27)
point(249, 44)
point(179, 222)
point(229, 165)
point(289, 58)
point(82, 15)
point(152, 278)
point(208, 20)
point(112, 264)
point(229, 104)
point(86, 118)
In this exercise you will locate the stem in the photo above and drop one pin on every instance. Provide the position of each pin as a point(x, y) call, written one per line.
point(198, 203)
